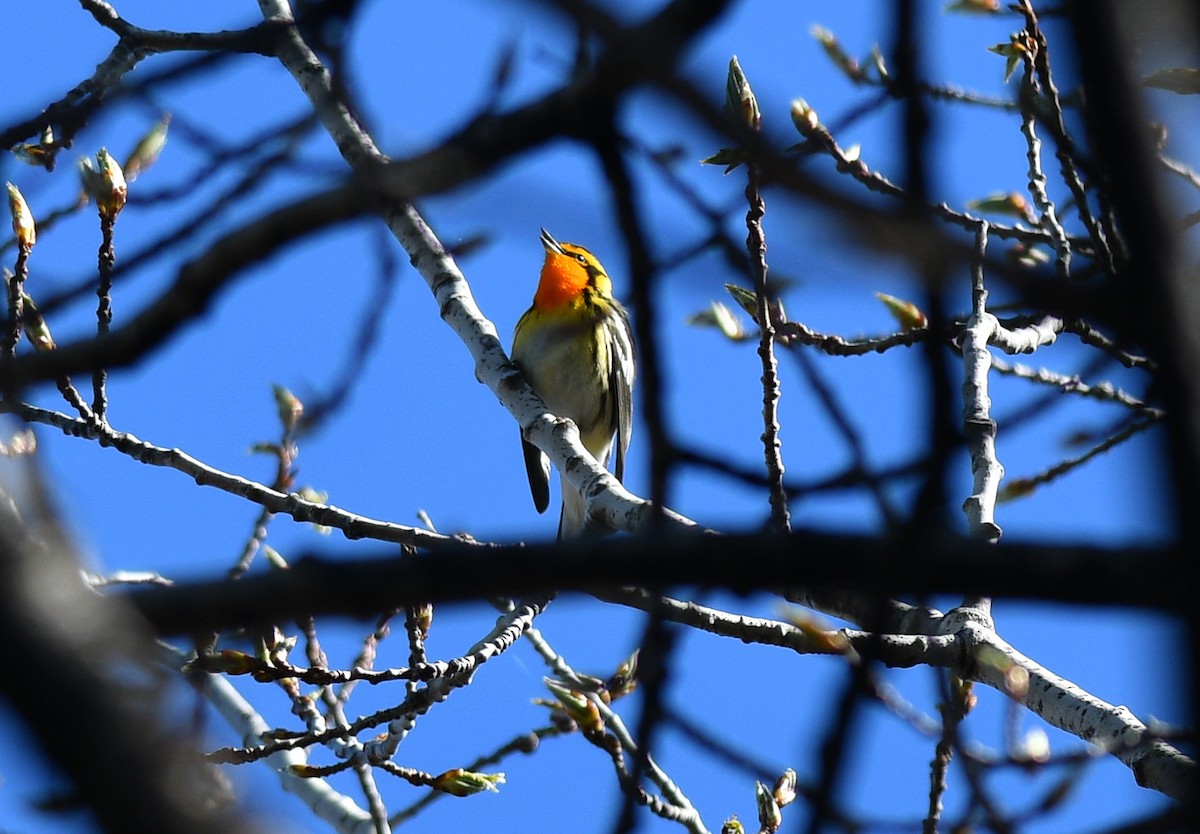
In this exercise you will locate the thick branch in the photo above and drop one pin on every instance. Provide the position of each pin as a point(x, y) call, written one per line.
point(880, 566)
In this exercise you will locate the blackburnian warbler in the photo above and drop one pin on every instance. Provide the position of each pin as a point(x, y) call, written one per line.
point(576, 347)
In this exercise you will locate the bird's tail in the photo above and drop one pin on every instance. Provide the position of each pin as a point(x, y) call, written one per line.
point(572, 523)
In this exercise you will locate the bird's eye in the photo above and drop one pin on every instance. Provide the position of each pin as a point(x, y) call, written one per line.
point(581, 259)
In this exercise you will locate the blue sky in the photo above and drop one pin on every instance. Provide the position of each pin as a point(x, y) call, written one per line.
point(419, 433)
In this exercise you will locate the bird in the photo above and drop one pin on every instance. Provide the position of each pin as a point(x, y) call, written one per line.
point(576, 348)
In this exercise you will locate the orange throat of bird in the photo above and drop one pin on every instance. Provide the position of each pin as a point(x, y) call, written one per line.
point(563, 282)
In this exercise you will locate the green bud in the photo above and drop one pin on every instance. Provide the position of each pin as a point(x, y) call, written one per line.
point(22, 218)
point(36, 329)
point(274, 557)
point(721, 317)
point(1014, 52)
point(228, 661)
point(146, 151)
point(1008, 203)
point(974, 6)
point(909, 315)
point(288, 405)
point(459, 782)
point(769, 815)
point(833, 49)
point(740, 100)
point(804, 117)
point(733, 826)
point(731, 158)
point(577, 706)
point(624, 679)
point(785, 788)
point(422, 616)
point(35, 155)
point(745, 298)
point(104, 183)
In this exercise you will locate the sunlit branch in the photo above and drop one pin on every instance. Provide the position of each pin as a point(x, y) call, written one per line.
point(291, 504)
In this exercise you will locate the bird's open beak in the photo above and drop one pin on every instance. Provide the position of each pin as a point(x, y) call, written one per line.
point(551, 244)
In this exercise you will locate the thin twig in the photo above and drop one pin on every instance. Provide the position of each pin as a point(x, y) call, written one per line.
point(1023, 486)
point(106, 260)
point(756, 245)
point(1029, 99)
point(291, 504)
point(1066, 151)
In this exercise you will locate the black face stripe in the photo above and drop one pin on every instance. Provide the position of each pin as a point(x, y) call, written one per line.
point(593, 273)
point(591, 293)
